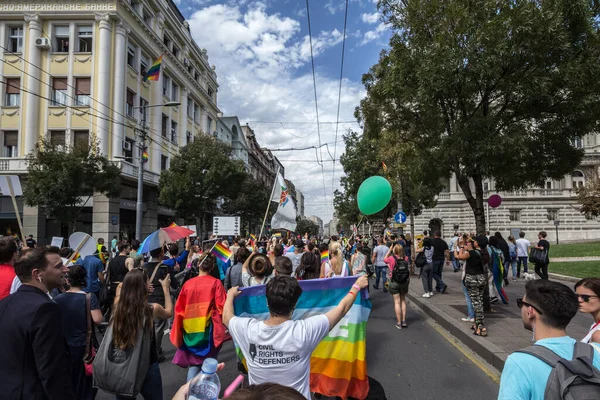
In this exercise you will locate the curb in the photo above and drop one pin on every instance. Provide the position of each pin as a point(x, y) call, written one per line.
point(491, 353)
point(563, 277)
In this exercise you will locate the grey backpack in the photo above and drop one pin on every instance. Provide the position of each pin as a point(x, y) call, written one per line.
point(575, 379)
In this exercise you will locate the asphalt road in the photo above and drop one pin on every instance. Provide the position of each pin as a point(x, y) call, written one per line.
point(417, 362)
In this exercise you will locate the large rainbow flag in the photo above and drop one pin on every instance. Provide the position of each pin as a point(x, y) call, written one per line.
point(338, 366)
point(154, 71)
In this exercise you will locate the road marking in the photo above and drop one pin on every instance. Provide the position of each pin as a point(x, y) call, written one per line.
point(487, 369)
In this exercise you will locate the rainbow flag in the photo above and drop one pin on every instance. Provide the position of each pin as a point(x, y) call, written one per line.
point(145, 156)
point(324, 256)
point(338, 365)
point(253, 237)
point(222, 252)
point(277, 235)
point(153, 72)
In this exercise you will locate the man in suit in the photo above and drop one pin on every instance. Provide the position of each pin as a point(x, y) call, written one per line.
point(34, 360)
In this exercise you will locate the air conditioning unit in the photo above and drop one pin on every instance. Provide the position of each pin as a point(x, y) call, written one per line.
point(43, 43)
point(126, 145)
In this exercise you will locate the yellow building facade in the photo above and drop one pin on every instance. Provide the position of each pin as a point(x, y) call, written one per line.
point(72, 71)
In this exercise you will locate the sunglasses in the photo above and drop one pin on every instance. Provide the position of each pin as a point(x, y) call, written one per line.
point(586, 297)
point(521, 303)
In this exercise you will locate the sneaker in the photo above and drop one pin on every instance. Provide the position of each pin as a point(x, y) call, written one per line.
point(375, 287)
point(514, 278)
point(444, 289)
point(468, 319)
point(427, 295)
point(399, 326)
point(430, 293)
point(494, 300)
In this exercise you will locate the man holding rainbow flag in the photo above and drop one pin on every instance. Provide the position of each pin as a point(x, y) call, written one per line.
point(296, 352)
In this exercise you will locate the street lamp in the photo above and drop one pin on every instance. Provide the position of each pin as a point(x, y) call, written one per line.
point(141, 139)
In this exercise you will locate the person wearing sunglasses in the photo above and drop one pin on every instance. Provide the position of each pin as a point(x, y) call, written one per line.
point(546, 309)
point(588, 292)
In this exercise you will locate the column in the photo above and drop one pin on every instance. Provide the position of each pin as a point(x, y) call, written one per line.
point(156, 114)
point(32, 114)
point(118, 128)
point(453, 183)
point(150, 220)
point(183, 117)
point(34, 223)
point(568, 182)
point(106, 218)
point(203, 119)
point(104, 83)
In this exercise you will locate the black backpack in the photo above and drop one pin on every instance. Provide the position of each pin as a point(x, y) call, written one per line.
point(401, 272)
point(570, 379)
point(421, 260)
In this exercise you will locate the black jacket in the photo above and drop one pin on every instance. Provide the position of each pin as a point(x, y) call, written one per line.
point(34, 361)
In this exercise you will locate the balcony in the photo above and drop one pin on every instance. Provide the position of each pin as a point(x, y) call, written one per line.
point(514, 194)
point(131, 171)
point(13, 165)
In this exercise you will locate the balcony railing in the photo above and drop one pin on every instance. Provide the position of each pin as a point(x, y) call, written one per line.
point(13, 165)
point(514, 194)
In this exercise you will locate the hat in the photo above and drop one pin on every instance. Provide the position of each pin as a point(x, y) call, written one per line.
point(259, 265)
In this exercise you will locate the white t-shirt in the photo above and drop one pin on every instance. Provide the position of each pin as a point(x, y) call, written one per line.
point(295, 259)
point(522, 247)
point(279, 353)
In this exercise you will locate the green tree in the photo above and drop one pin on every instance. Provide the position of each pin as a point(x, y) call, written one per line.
point(306, 226)
point(250, 203)
point(497, 88)
point(589, 198)
point(199, 177)
point(61, 179)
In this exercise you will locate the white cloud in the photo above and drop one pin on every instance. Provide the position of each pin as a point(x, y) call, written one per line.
point(370, 18)
point(258, 56)
point(374, 34)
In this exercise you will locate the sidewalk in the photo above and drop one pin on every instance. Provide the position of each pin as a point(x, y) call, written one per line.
point(505, 328)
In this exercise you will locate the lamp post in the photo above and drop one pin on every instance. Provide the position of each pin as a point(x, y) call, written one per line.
point(141, 142)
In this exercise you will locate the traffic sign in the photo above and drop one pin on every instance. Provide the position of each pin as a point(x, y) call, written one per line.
point(400, 217)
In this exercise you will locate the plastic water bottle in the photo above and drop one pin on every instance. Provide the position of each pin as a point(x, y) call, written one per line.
point(206, 385)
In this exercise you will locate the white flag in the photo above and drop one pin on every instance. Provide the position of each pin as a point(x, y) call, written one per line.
point(285, 217)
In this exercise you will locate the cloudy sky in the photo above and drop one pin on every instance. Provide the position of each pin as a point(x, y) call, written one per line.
point(262, 56)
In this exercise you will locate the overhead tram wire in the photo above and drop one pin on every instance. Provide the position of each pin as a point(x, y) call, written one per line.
point(301, 122)
point(339, 100)
point(312, 59)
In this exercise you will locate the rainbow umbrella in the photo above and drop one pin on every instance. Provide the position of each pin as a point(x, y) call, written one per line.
point(158, 238)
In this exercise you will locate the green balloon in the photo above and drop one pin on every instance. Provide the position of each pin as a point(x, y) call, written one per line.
point(374, 194)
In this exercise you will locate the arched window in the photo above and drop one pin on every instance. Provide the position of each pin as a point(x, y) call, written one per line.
point(578, 179)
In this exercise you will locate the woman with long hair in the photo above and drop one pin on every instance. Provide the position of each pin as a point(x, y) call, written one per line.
point(588, 292)
point(73, 303)
point(337, 265)
point(131, 314)
point(198, 332)
point(427, 270)
point(475, 279)
point(310, 267)
point(399, 290)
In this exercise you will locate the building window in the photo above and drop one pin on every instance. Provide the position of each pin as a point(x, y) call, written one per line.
point(81, 139)
point(15, 39)
point(165, 123)
point(515, 215)
point(164, 161)
point(84, 38)
point(208, 124)
point(486, 186)
point(174, 92)
point(147, 16)
point(175, 51)
point(13, 93)
point(174, 132)
point(82, 91)
point(9, 143)
point(128, 154)
point(59, 91)
point(548, 185)
point(143, 106)
point(196, 76)
point(132, 56)
point(166, 85)
point(144, 63)
point(190, 108)
point(210, 93)
point(188, 137)
point(129, 104)
point(196, 113)
point(578, 179)
point(577, 143)
point(61, 39)
point(166, 41)
point(552, 215)
point(57, 138)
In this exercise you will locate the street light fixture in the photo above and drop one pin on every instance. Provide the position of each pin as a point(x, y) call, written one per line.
point(141, 139)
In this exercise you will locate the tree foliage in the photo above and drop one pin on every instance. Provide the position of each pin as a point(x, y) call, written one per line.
point(199, 176)
point(589, 198)
point(306, 226)
point(250, 201)
point(494, 89)
point(62, 178)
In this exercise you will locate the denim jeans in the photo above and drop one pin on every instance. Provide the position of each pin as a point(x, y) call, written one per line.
point(455, 263)
point(427, 278)
point(513, 264)
point(151, 387)
point(519, 261)
point(381, 271)
point(437, 275)
point(470, 310)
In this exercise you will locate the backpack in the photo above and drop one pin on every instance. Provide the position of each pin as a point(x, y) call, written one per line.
point(421, 260)
point(512, 254)
point(569, 379)
point(400, 273)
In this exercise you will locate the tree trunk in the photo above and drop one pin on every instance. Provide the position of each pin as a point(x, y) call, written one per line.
point(412, 238)
point(476, 202)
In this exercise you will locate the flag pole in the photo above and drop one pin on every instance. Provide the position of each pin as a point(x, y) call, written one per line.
point(269, 205)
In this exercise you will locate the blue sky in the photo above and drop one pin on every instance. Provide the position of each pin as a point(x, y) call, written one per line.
point(262, 58)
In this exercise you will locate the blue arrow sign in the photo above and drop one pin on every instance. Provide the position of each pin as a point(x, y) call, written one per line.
point(400, 217)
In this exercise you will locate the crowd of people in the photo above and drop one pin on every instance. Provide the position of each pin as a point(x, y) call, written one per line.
point(49, 307)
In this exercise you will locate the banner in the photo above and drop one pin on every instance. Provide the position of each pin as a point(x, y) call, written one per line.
point(338, 365)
